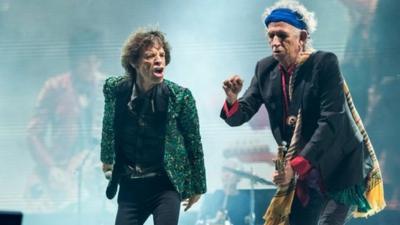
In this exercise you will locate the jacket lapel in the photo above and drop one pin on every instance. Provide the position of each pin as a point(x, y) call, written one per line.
point(123, 93)
point(276, 99)
point(172, 114)
point(171, 109)
point(299, 84)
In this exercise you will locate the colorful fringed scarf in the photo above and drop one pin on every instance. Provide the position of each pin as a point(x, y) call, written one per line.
point(279, 209)
point(374, 184)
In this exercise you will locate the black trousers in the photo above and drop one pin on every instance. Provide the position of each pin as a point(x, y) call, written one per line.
point(318, 211)
point(139, 198)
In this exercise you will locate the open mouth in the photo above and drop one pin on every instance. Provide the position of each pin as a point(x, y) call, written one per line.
point(158, 71)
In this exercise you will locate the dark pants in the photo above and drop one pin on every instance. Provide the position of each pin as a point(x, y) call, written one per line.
point(139, 198)
point(334, 213)
point(318, 211)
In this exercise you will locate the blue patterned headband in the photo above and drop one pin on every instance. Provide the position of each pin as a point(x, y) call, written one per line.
point(286, 15)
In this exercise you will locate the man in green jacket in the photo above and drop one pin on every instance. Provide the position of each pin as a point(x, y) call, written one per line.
point(150, 138)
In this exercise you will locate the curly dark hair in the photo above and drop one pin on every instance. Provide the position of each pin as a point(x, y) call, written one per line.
point(137, 42)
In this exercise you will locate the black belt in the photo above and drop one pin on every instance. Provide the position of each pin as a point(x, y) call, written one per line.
point(133, 174)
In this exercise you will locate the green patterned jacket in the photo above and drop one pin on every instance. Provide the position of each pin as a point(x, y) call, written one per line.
point(183, 154)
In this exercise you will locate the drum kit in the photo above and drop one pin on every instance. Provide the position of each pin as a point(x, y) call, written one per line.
point(256, 154)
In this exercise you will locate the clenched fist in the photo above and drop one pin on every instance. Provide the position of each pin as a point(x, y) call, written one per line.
point(232, 86)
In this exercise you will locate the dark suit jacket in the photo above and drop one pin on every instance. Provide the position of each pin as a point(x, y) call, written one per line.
point(332, 142)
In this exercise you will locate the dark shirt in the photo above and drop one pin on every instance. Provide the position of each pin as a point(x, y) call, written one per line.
point(143, 132)
point(286, 76)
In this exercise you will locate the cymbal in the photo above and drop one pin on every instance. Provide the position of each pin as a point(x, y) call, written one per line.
point(248, 175)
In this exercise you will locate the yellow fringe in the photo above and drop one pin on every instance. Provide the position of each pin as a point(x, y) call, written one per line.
point(374, 190)
point(279, 210)
point(375, 199)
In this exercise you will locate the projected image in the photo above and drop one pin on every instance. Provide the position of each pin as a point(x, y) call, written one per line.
point(63, 134)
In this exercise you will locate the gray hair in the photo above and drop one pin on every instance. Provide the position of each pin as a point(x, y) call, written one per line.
point(308, 17)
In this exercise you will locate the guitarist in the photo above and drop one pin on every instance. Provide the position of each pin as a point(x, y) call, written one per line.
point(334, 156)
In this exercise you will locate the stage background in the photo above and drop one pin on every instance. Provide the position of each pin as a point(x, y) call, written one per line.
point(210, 41)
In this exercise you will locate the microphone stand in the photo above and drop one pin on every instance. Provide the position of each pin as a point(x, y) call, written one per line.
point(79, 184)
point(250, 219)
